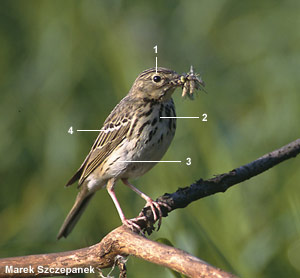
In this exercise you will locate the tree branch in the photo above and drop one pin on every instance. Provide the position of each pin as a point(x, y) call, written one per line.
point(124, 242)
point(220, 183)
point(120, 241)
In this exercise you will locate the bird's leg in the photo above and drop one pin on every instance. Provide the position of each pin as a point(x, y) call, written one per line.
point(149, 202)
point(110, 188)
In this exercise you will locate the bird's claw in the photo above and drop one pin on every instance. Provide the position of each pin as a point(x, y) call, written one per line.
point(154, 205)
point(132, 225)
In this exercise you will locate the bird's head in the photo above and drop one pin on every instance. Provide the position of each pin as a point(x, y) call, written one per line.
point(157, 85)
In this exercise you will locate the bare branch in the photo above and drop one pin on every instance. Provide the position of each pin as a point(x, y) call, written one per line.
point(203, 188)
point(120, 241)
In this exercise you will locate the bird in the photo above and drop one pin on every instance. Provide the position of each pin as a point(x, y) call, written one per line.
point(134, 137)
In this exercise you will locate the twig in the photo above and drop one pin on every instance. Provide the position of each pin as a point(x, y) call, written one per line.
point(203, 188)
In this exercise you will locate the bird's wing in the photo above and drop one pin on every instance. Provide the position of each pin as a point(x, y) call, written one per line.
point(112, 133)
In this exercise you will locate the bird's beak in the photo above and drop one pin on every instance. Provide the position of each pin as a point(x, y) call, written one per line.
point(178, 80)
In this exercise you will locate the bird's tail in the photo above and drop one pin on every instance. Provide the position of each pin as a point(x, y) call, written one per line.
point(75, 213)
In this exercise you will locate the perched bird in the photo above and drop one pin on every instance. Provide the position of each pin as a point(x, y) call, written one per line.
point(133, 132)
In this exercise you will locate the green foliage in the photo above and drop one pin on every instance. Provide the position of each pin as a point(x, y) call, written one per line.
point(68, 63)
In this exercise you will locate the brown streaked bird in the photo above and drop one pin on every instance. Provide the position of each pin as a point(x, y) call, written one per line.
point(134, 131)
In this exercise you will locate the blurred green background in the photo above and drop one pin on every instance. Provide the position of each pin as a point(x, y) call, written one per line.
point(68, 63)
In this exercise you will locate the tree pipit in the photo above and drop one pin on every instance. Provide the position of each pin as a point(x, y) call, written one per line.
point(133, 132)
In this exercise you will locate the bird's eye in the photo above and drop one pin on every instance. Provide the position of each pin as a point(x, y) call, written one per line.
point(156, 78)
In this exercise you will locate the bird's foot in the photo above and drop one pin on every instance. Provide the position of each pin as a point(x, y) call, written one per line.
point(132, 224)
point(157, 206)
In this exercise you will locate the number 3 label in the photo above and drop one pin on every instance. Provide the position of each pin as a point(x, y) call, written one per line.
point(188, 161)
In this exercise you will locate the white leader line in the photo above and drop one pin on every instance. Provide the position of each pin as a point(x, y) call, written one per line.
point(179, 117)
point(90, 130)
point(151, 161)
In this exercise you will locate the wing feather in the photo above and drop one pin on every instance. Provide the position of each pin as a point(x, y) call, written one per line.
point(106, 143)
point(114, 131)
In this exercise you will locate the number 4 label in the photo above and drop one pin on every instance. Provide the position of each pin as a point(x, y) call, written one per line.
point(70, 131)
